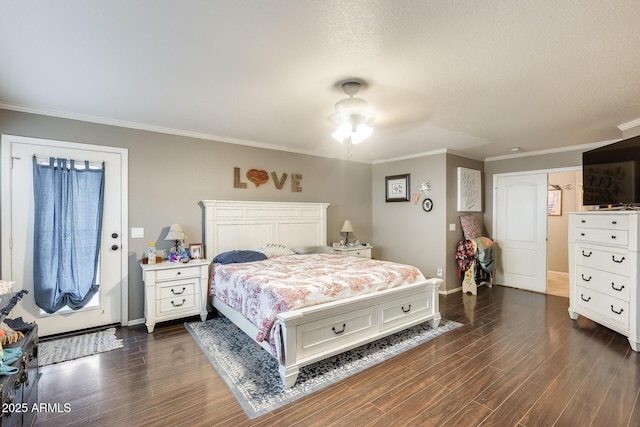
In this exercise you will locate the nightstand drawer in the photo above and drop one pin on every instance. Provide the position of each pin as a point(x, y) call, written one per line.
point(177, 288)
point(177, 303)
point(177, 273)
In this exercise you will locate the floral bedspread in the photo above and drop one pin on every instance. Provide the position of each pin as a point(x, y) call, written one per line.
point(262, 289)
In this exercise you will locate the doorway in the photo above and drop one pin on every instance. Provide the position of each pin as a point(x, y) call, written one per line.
point(525, 241)
point(565, 187)
point(111, 303)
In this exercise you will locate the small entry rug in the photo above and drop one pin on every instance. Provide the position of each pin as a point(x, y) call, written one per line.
point(63, 349)
point(252, 373)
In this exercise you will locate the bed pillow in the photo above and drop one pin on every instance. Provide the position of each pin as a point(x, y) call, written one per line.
point(239, 256)
point(470, 227)
point(274, 249)
point(305, 250)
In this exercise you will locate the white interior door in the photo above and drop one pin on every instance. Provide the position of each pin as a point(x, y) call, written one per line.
point(110, 303)
point(520, 222)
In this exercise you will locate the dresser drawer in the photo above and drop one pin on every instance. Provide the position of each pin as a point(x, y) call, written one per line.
point(177, 273)
point(607, 221)
point(610, 261)
point(176, 304)
point(609, 309)
point(610, 284)
point(177, 288)
point(402, 310)
point(601, 235)
point(324, 334)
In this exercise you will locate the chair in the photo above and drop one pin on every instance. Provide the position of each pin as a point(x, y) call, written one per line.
point(474, 256)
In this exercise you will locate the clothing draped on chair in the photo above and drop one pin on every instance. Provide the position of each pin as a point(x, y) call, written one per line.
point(67, 232)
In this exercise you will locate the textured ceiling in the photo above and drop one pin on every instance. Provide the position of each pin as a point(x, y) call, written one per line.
point(477, 77)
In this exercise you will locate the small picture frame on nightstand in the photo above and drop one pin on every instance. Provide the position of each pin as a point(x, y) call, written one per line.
point(196, 250)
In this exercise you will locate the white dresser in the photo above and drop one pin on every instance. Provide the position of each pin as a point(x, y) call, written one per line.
point(173, 290)
point(603, 270)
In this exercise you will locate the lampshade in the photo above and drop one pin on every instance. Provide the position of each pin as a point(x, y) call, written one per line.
point(175, 233)
point(347, 227)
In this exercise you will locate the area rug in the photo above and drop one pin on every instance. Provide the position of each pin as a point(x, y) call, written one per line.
point(70, 348)
point(252, 374)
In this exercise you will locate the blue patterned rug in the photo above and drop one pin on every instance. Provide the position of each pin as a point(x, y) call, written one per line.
point(252, 374)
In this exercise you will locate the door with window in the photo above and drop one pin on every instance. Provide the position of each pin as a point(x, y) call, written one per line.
point(109, 304)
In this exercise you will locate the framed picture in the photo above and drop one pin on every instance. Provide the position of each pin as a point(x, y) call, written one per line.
point(196, 250)
point(397, 188)
point(469, 190)
point(554, 205)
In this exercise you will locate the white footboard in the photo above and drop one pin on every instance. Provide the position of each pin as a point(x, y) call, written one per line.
point(315, 333)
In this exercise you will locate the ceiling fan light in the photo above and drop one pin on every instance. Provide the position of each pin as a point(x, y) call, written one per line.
point(362, 132)
point(342, 132)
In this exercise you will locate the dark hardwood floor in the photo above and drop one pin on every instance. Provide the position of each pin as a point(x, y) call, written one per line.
point(517, 361)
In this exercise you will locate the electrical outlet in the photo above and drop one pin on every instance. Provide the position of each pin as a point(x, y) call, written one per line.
point(137, 233)
point(439, 272)
point(452, 227)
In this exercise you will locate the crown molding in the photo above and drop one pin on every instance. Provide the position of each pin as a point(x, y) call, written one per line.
point(629, 125)
point(580, 147)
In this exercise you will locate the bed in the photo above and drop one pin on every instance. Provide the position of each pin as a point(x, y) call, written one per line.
point(305, 335)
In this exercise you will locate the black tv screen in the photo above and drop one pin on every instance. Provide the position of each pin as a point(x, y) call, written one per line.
point(611, 174)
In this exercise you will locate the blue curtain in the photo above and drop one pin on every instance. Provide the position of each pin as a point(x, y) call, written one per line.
point(67, 232)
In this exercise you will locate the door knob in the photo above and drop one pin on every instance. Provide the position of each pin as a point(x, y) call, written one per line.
point(114, 247)
point(114, 235)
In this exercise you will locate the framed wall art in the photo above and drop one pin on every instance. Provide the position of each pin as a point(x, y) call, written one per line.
point(469, 190)
point(397, 188)
point(554, 203)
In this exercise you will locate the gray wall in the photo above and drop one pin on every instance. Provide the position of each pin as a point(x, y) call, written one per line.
point(169, 175)
point(453, 216)
point(403, 232)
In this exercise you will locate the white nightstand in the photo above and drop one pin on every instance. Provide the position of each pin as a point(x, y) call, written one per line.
point(173, 290)
point(357, 251)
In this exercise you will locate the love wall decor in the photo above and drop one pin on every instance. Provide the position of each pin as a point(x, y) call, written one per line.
point(259, 177)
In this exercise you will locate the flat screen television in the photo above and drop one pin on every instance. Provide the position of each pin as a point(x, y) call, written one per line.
point(611, 175)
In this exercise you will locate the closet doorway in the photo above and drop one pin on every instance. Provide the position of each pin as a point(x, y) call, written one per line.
point(533, 244)
point(565, 195)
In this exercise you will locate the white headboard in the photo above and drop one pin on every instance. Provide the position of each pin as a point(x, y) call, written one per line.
point(230, 224)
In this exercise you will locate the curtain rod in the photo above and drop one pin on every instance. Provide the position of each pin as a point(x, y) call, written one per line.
point(44, 160)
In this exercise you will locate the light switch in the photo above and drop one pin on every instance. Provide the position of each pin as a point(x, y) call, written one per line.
point(452, 227)
point(137, 233)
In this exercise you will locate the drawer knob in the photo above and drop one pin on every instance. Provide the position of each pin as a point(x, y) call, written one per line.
point(583, 221)
point(582, 234)
point(173, 291)
point(614, 222)
point(344, 326)
point(407, 310)
point(178, 305)
point(586, 255)
point(613, 286)
point(617, 312)
point(178, 273)
point(585, 279)
point(613, 237)
point(584, 299)
point(613, 257)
